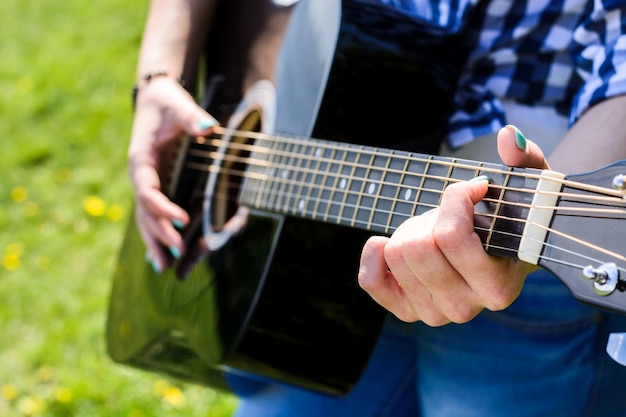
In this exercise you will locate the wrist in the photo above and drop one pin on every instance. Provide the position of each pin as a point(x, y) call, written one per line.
point(145, 79)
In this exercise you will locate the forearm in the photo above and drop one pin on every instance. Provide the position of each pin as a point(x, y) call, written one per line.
point(597, 139)
point(173, 35)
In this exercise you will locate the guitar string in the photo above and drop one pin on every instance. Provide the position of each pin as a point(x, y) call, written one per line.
point(594, 211)
point(373, 151)
point(619, 203)
point(545, 244)
point(490, 215)
point(609, 197)
point(452, 163)
point(562, 194)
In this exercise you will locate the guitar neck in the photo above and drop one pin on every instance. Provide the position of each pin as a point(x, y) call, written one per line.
point(377, 189)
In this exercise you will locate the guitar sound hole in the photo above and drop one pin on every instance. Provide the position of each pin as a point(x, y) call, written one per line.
point(232, 171)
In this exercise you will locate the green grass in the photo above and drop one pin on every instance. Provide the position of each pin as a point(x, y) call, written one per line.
point(66, 68)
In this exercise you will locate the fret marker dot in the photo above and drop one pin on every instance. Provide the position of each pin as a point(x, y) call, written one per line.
point(342, 183)
point(301, 205)
point(371, 188)
point(284, 174)
point(407, 194)
point(318, 152)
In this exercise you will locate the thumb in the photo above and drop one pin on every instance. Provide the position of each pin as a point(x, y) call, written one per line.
point(195, 120)
point(187, 113)
point(517, 151)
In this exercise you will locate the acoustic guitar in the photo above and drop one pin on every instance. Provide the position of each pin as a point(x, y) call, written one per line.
point(305, 170)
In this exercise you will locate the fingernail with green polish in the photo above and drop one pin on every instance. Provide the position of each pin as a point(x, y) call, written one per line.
point(178, 224)
point(174, 251)
point(520, 139)
point(480, 178)
point(204, 124)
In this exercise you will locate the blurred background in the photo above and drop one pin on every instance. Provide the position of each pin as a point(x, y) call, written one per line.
point(66, 69)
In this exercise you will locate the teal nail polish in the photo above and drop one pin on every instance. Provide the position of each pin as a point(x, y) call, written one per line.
point(174, 251)
point(520, 139)
point(204, 124)
point(480, 178)
point(178, 224)
point(155, 265)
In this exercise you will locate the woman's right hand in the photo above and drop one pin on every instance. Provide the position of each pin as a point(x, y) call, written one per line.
point(164, 113)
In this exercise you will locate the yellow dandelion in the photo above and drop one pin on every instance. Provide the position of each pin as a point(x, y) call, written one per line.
point(95, 206)
point(14, 248)
point(8, 392)
point(115, 212)
point(19, 194)
point(63, 395)
point(30, 406)
point(10, 262)
point(174, 397)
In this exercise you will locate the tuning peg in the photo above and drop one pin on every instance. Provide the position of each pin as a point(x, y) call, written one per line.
point(605, 277)
point(619, 182)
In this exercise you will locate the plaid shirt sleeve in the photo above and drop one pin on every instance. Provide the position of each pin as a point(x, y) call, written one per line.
point(599, 53)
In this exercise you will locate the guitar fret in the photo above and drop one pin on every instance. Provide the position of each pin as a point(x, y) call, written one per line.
point(348, 185)
point(251, 181)
point(498, 206)
point(303, 181)
point(406, 196)
point(376, 207)
point(290, 199)
point(311, 182)
point(394, 203)
point(446, 181)
point(433, 185)
point(284, 174)
point(366, 181)
point(338, 180)
point(322, 186)
point(264, 193)
point(420, 189)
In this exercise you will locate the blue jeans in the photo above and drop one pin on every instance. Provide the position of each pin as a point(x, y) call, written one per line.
point(543, 356)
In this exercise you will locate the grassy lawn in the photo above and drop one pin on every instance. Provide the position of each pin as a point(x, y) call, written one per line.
point(66, 68)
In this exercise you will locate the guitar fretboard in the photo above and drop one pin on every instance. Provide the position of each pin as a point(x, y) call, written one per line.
point(363, 187)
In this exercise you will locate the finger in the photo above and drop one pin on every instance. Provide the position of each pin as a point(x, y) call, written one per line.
point(516, 150)
point(490, 278)
point(155, 213)
point(411, 257)
point(164, 242)
point(147, 186)
point(452, 297)
point(155, 251)
point(415, 301)
point(376, 279)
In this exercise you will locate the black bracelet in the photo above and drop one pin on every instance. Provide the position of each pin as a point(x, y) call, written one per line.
point(147, 78)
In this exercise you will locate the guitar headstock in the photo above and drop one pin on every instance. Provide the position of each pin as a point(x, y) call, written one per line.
point(585, 245)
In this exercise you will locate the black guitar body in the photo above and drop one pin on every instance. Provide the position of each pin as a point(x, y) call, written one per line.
point(277, 298)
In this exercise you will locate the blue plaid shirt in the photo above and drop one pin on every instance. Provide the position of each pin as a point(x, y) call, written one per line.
point(567, 54)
